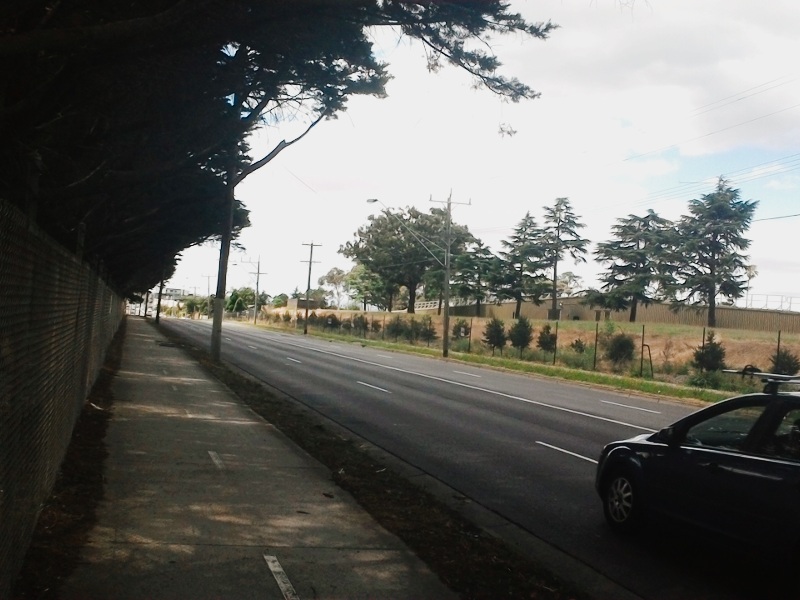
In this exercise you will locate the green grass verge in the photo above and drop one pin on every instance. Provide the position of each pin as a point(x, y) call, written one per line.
point(620, 382)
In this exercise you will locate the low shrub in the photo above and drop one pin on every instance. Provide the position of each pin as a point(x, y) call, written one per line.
point(546, 340)
point(784, 362)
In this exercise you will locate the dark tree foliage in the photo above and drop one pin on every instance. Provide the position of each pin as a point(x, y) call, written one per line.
point(546, 340)
point(403, 247)
point(428, 332)
point(473, 272)
point(710, 356)
point(708, 247)
point(637, 263)
point(619, 349)
point(519, 274)
point(461, 329)
point(784, 362)
point(520, 334)
point(124, 124)
point(560, 238)
point(494, 335)
point(396, 327)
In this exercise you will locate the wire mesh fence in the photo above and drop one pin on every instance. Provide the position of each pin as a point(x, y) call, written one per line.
point(57, 319)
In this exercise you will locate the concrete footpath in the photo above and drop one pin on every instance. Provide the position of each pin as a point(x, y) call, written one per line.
point(204, 499)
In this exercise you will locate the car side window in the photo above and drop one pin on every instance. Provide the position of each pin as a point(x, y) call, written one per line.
point(728, 430)
point(785, 442)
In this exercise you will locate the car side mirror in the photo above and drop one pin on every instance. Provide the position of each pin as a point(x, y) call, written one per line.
point(667, 436)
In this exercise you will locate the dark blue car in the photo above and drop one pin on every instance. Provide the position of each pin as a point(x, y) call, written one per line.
point(732, 468)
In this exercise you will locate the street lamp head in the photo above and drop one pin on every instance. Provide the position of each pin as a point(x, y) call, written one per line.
point(372, 200)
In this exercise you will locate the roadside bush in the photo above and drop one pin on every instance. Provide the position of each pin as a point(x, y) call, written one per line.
point(287, 317)
point(396, 327)
point(460, 345)
point(331, 321)
point(376, 326)
point(619, 350)
point(707, 379)
point(494, 335)
point(428, 331)
point(710, 356)
point(313, 318)
point(360, 324)
point(784, 362)
point(346, 325)
point(461, 329)
point(577, 360)
point(413, 330)
point(521, 334)
point(578, 346)
point(546, 340)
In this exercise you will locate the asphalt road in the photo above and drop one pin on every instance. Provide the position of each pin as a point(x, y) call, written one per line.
point(523, 447)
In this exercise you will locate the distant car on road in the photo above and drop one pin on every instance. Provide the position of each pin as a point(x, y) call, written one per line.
point(732, 468)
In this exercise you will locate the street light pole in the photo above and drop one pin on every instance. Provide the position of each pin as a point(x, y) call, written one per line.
point(258, 274)
point(445, 264)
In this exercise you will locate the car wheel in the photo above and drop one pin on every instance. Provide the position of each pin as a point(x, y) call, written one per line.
point(622, 502)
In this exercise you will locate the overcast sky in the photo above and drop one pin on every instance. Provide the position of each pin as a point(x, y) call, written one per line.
point(641, 107)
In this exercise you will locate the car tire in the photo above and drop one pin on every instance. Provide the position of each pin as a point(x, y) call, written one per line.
point(622, 502)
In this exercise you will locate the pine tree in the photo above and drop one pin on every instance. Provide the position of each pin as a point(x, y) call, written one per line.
point(520, 275)
point(708, 249)
point(637, 261)
point(560, 238)
point(494, 335)
point(521, 334)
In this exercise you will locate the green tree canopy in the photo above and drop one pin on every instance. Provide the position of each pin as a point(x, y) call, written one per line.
point(473, 272)
point(335, 282)
point(520, 273)
point(708, 248)
point(400, 247)
point(637, 262)
point(125, 124)
point(560, 238)
point(520, 334)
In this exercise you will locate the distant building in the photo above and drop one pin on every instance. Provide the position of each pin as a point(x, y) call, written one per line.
point(300, 304)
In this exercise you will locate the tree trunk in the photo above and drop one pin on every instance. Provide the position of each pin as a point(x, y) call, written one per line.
point(634, 307)
point(412, 299)
point(712, 311)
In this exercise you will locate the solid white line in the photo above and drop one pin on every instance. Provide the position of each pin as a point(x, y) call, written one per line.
point(470, 374)
point(479, 389)
point(287, 589)
point(656, 412)
point(228, 340)
point(374, 387)
point(294, 360)
point(383, 355)
point(591, 460)
point(216, 460)
point(252, 347)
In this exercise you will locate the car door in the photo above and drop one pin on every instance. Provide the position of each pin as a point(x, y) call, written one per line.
point(775, 502)
point(705, 475)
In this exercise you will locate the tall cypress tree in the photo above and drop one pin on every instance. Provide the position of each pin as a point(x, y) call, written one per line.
point(560, 238)
point(521, 274)
point(637, 261)
point(708, 249)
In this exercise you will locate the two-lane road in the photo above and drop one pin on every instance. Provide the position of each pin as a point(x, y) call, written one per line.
point(522, 447)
